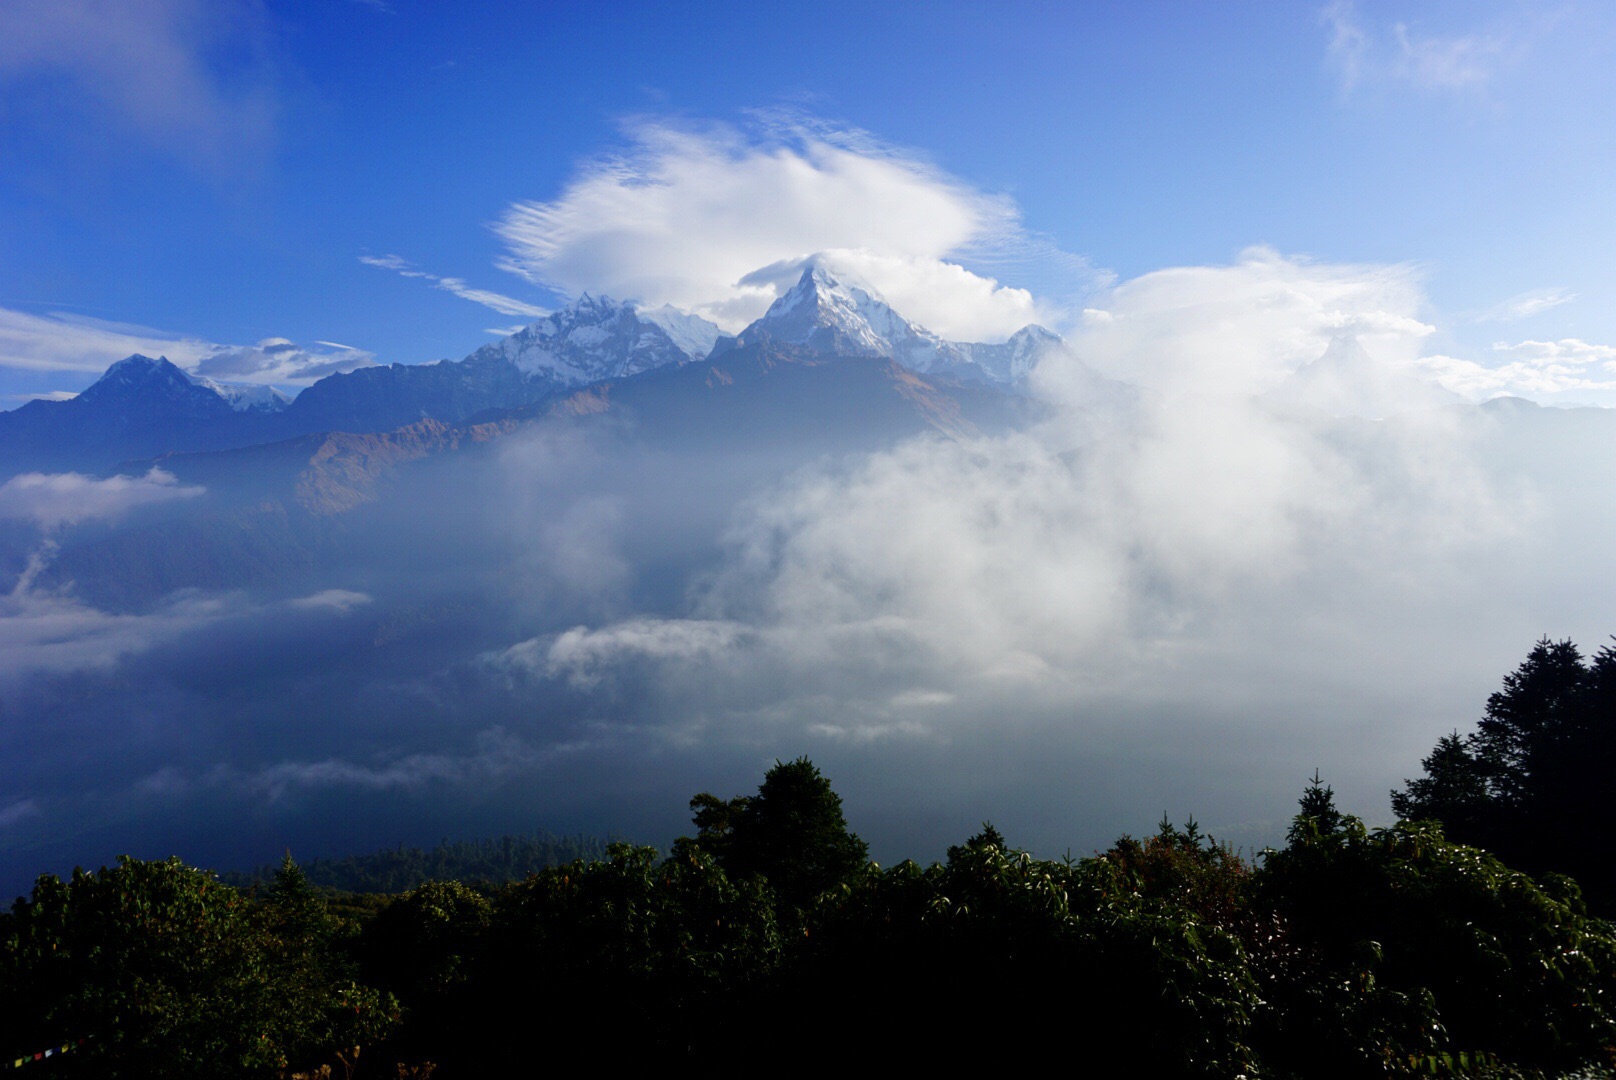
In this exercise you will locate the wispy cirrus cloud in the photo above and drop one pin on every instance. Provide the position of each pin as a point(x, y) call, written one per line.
point(1525, 305)
point(1362, 54)
point(60, 341)
point(189, 76)
point(19, 810)
point(698, 216)
point(494, 301)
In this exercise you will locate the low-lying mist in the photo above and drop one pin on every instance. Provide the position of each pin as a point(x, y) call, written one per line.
point(1181, 600)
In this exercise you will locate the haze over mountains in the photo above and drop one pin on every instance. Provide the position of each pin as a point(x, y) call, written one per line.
point(555, 582)
point(144, 407)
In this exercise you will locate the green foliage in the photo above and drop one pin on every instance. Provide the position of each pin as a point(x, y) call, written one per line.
point(1350, 953)
point(1535, 772)
point(1407, 949)
point(629, 944)
point(1318, 815)
point(164, 971)
point(1454, 789)
point(792, 833)
point(996, 941)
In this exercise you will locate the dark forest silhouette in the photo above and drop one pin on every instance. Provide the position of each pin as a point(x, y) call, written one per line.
point(768, 936)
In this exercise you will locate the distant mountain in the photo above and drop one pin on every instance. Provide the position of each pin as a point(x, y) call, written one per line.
point(594, 338)
point(599, 338)
point(143, 408)
point(140, 407)
point(276, 512)
point(766, 393)
point(243, 397)
point(1013, 360)
point(1348, 381)
point(834, 313)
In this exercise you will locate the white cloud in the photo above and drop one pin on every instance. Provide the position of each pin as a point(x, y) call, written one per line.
point(504, 305)
point(59, 341)
point(495, 753)
point(1398, 54)
point(63, 342)
point(1237, 330)
point(50, 631)
point(1525, 305)
point(901, 593)
point(277, 361)
point(56, 499)
point(53, 633)
point(20, 810)
point(190, 76)
point(48, 395)
point(686, 217)
point(579, 654)
point(1569, 370)
point(1552, 353)
point(337, 601)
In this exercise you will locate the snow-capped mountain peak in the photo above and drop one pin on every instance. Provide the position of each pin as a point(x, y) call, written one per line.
point(245, 397)
point(692, 333)
point(834, 312)
point(597, 337)
point(141, 376)
point(136, 374)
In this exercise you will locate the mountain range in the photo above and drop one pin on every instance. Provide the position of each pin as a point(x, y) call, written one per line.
point(295, 486)
point(146, 408)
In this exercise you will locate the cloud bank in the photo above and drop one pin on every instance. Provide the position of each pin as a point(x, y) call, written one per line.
point(901, 593)
point(1232, 331)
point(1181, 597)
point(1569, 371)
point(53, 500)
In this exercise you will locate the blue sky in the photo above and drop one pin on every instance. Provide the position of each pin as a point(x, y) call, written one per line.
point(240, 185)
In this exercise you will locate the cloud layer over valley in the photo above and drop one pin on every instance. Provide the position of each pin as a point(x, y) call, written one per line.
point(1179, 597)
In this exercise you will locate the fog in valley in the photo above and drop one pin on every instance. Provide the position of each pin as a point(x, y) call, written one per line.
point(1241, 535)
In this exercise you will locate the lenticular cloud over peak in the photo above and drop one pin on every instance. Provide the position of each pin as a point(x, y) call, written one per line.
point(695, 218)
